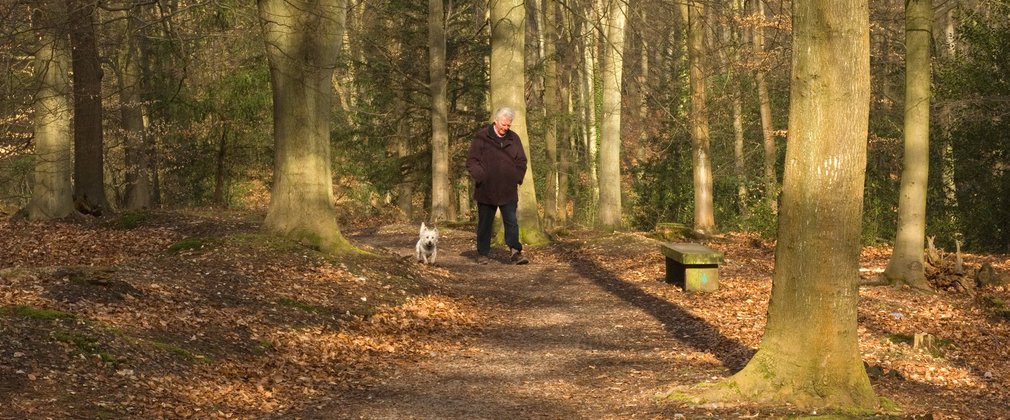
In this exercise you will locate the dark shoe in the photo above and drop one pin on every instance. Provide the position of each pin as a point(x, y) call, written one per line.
point(483, 259)
point(518, 258)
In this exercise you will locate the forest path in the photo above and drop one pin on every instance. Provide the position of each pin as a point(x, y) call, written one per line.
point(563, 338)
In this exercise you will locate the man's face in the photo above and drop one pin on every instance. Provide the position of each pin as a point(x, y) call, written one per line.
point(502, 124)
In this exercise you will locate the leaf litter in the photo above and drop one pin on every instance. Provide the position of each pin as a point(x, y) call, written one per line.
point(238, 324)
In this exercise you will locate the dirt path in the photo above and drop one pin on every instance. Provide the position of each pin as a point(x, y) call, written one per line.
point(563, 341)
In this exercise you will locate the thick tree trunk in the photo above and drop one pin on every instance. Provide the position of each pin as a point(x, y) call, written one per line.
point(52, 195)
point(610, 216)
point(440, 200)
point(906, 264)
point(508, 80)
point(89, 166)
point(809, 355)
point(765, 106)
point(704, 211)
point(301, 38)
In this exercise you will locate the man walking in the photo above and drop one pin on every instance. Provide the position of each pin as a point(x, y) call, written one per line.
point(497, 164)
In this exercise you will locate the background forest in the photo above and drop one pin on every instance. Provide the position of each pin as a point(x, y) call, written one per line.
point(186, 109)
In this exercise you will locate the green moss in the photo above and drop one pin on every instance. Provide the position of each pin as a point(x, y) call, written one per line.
point(307, 307)
point(996, 306)
point(38, 313)
point(188, 244)
point(81, 342)
point(263, 346)
point(888, 406)
point(85, 344)
point(993, 301)
point(179, 351)
point(901, 338)
point(264, 241)
point(131, 220)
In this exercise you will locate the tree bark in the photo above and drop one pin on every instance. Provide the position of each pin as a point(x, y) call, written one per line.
point(809, 355)
point(508, 80)
point(220, 168)
point(89, 166)
point(551, 111)
point(765, 106)
point(440, 200)
point(704, 213)
point(301, 41)
point(138, 185)
point(52, 195)
point(906, 264)
point(610, 216)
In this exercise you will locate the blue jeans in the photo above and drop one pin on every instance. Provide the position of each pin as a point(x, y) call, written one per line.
point(485, 219)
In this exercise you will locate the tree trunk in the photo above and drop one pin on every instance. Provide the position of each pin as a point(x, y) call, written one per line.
point(610, 142)
point(765, 105)
point(704, 214)
point(552, 110)
point(809, 355)
point(89, 172)
point(301, 38)
point(946, 121)
point(440, 200)
point(729, 60)
point(906, 264)
point(52, 195)
point(588, 96)
point(138, 185)
point(508, 82)
point(220, 168)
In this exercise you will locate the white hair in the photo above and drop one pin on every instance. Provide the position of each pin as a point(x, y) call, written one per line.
point(505, 112)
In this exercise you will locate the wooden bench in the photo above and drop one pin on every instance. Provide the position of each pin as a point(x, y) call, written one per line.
point(694, 267)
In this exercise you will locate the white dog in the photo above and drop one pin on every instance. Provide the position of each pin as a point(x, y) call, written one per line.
point(427, 245)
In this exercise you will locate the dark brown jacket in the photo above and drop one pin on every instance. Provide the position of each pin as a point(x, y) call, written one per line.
point(497, 165)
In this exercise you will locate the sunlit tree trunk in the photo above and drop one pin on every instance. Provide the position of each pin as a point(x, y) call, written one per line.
point(765, 106)
point(440, 200)
point(906, 264)
point(704, 213)
point(552, 110)
point(729, 59)
point(89, 166)
point(610, 142)
point(508, 80)
point(301, 41)
point(809, 354)
point(587, 93)
point(52, 195)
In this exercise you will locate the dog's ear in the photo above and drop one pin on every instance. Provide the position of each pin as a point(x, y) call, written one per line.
point(423, 227)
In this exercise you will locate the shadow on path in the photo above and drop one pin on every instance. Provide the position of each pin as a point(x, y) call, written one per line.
point(682, 324)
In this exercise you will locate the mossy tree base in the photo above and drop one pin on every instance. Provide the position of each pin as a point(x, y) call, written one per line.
point(317, 236)
point(770, 381)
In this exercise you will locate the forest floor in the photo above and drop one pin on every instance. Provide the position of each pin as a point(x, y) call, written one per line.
point(197, 314)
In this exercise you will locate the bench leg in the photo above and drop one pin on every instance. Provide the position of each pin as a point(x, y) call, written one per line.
point(674, 272)
point(704, 278)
